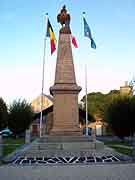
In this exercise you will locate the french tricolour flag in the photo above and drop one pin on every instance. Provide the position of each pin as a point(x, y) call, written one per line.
point(74, 42)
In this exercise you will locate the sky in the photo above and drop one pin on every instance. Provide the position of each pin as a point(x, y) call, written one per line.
point(22, 32)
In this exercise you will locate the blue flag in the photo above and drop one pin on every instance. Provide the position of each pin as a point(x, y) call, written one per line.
point(87, 33)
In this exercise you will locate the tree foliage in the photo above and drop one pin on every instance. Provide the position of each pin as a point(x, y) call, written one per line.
point(3, 114)
point(120, 115)
point(20, 116)
point(98, 102)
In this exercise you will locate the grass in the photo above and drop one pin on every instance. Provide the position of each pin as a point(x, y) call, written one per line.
point(11, 144)
point(117, 146)
point(125, 143)
point(122, 150)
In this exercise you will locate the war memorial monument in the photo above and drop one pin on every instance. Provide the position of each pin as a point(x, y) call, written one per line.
point(64, 152)
point(65, 142)
point(65, 90)
point(65, 138)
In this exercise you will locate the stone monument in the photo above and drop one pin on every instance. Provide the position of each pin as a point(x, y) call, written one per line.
point(65, 138)
point(65, 90)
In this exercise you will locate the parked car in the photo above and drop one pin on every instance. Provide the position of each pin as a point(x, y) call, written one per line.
point(6, 132)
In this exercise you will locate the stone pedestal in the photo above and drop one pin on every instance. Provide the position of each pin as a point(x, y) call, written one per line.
point(65, 92)
point(53, 146)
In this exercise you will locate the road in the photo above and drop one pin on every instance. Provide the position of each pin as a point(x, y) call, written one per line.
point(69, 172)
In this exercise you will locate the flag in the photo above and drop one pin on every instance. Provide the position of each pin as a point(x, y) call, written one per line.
point(74, 42)
point(50, 33)
point(87, 33)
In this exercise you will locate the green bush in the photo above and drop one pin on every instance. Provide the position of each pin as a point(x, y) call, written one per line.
point(20, 116)
point(120, 115)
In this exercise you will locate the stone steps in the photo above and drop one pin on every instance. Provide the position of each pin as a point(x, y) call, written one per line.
point(60, 146)
point(58, 139)
point(45, 146)
point(63, 147)
point(52, 153)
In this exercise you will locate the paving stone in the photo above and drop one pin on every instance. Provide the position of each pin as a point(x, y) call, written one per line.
point(62, 159)
point(90, 161)
point(33, 161)
point(39, 158)
point(25, 162)
point(29, 158)
point(115, 159)
point(99, 159)
point(66, 160)
point(107, 160)
point(82, 159)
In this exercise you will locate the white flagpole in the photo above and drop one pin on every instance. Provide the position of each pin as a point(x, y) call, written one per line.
point(43, 72)
point(86, 100)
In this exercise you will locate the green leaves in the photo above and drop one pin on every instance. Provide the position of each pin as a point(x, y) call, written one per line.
point(98, 102)
point(3, 114)
point(20, 116)
point(120, 115)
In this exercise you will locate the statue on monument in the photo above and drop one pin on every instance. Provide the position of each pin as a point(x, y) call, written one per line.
point(64, 19)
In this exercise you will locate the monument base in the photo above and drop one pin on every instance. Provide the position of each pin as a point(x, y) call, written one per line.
point(66, 132)
point(50, 146)
point(58, 146)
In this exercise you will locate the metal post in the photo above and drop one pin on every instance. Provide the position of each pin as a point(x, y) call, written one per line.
point(27, 136)
point(86, 100)
point(43, 72)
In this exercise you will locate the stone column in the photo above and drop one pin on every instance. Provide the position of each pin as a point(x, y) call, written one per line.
point(27, 136)
point(1, 146)
point(65, 91)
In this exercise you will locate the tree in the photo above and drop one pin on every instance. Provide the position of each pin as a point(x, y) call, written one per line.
point(132, 85)
point(120, 116)
point(95, 103)
point(20, 116)
point(3, 114)
point(98, 102)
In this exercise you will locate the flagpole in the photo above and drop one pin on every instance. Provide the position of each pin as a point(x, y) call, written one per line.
point(86, 100)
point(43, 73)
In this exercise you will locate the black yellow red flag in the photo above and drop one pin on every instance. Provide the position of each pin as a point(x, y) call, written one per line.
point(51, 35)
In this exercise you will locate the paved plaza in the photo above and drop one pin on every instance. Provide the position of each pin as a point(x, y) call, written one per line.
point(69, 172)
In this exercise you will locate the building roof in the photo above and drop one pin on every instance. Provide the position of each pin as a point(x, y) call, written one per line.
point(49, 97)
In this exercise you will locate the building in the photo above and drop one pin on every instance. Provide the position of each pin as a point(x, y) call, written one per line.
point(36, 103)
point(99, 125)
point(126, 89)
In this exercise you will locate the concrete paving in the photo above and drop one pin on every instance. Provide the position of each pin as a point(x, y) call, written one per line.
point(69, 172)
